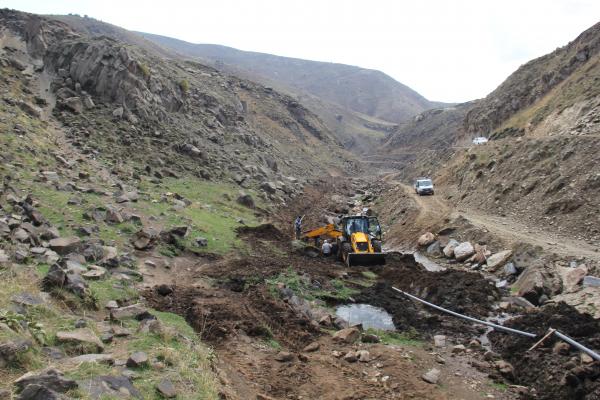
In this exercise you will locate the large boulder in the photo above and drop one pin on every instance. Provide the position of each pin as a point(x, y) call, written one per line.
point(268, 187)
point(10, 351)
point(426, 239)
point(145, 239)
point(65, 245)
point(132, 311)
point(58, 277)
point(536, 280)
point(449, 248)
point(496, 261)
point(51, 379)
point(348, 335)
point(246, 200)
point(463, 251)
point(572, 277)
point(84, 339)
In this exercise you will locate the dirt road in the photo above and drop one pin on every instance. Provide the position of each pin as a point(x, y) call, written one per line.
point(434, 210)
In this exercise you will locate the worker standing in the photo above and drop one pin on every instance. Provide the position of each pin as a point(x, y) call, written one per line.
point(298, 226)
point(326, 248)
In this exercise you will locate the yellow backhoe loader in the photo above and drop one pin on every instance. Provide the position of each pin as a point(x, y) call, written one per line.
point(357, 240)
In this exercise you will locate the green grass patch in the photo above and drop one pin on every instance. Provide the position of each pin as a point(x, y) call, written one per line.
point(112, 289)
point(406, 338)
point(369, 275)
point(186, 360)
point(272, 343)
point(212, 214)
point(335, 289)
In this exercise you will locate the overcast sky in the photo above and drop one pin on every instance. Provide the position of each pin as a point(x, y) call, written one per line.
point(446, 50)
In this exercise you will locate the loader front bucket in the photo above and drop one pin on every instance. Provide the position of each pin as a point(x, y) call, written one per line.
point(365, 259)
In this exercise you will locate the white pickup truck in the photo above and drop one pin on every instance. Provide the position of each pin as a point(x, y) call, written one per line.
point(423, 186)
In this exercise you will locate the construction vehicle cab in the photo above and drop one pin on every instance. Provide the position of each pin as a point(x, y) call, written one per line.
point(360, 241)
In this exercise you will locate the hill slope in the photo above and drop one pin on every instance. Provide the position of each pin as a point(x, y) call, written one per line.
point(541, 163)
point(362, 90)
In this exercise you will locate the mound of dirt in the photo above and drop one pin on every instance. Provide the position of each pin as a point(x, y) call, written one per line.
point(554, 376)
point(460, 291)
point(218, 313)
point(266, 231)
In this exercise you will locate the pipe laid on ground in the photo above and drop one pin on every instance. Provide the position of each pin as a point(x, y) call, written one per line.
point(581, 347)
point(478, 321)
point(562, 336)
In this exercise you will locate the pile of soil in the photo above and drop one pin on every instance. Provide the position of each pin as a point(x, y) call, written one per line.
point(217, 314)
point(554, 376)
point(266, 231)
point(460, 291)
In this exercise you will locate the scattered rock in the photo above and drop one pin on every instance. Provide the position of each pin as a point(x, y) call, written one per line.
point(591, 281)
point(164, 289)
point(95, 273)
point(573, 277)
point(201, 241)
point(82, 338)
point(561, 348)
point(106, 386)
point(314, 346)
point(132, 311)
point(137, 359)
point(284, 356)
point(463, 251)
point(38, 392)
point(439, 340)
point(9, 351)
point(495, 261)
point(505, 368)
point(246, 200)
point(363, 356)
point(458, 349)
point(449, 249)
point(426, 239)
point(111, 304)
point(432, 376)
point(51, 379)
point(166, 388)
point(510, 269)
point(351, 356)
point(64, 246)
point(369, 338)
point(144, 239)
point(348, 335)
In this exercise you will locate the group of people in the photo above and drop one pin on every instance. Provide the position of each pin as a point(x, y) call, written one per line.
point(326, 247)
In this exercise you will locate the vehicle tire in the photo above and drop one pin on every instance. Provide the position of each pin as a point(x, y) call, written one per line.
point(432, 193)
point(376, 246)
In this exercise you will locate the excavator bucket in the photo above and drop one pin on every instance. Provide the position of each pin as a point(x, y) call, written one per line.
point(365, 259)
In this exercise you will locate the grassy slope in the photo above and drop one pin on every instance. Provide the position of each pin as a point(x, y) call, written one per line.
point(213, 213)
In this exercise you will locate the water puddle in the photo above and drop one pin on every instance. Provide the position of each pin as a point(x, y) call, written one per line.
point(367, 315)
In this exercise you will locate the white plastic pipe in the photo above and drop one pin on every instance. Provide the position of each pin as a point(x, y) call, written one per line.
point(477, 321)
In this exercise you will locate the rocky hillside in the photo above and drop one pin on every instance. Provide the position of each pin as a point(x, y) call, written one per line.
point(557, 82)
point(119, 167)
point(368, 92)
point(172, 115)
point(356, 130)
point(540, 164)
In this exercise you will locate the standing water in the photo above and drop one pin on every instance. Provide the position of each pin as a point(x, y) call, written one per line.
point(367, 315)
